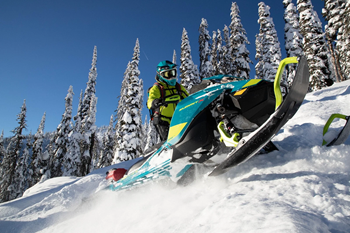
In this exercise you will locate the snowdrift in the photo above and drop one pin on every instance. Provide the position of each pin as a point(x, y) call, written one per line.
point(303, 187)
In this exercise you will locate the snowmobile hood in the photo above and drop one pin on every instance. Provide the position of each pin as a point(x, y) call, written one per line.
point(191, 106)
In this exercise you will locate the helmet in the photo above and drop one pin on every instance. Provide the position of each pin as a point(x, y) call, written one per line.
point(166, 72)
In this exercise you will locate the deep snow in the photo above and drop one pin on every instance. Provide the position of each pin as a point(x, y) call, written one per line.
point(303, 187)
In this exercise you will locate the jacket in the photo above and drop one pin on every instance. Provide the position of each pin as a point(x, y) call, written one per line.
point(166, 112)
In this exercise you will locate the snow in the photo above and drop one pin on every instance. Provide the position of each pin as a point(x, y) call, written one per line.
point(303, 187)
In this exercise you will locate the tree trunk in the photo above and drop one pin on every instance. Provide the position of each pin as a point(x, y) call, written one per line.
point(338, 75)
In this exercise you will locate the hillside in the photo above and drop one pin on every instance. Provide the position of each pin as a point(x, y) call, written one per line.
point(303, 187)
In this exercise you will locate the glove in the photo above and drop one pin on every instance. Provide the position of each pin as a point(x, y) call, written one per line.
point(157, 103)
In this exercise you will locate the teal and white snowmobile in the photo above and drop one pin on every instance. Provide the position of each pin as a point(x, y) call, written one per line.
point(226, 111)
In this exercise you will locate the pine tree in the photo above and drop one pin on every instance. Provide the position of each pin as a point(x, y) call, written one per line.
point(268, 52)
point(88, 118)
point(144, 133)
point(227, 53)
point(2, 148)
point(206, 68)
point(145, 127)
point(130, 123)
point(333, 12)
point(9, 162)
point(343, 47)
point(22, 174)
point(174, 57)
point(94, 146)
point(106, 154)
point(38, 164)
point(346, 18)
point(61, 137)
point(119, 113)
point(72, 162)
point(292, 36)
point(90, 89)
point(220, 53)
point(189, 72)
point(72, 159)
point(152, 136)
point(239, 40)
point(79, 115)
point(314, 45)
point(214, 55)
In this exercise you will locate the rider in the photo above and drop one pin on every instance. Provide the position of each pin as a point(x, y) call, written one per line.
point(165, 87)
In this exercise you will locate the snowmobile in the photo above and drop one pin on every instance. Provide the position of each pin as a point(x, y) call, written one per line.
point(343, 134)
point(225, 111)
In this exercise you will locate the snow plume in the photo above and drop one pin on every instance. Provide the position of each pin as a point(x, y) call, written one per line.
point(303, 187)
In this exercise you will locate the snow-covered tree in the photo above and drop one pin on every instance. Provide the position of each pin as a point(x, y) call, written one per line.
point(144, 133)
point(214, 54)
point(88, 109)
point(2, 148)
point(72, 159)
point(333, 12)
point(206, 67)
point(106, 154)
point(292, 36)
point(174, 57)
point(347, 18)
point(130, 122)
point(152, 136)
point(189, 71)
point(90, 89)
point(227, 52)
point(61, 137)
point(239, 40)
point(9, 162)
point(93, 142)
point(343, 41)
point(22, 174)
point(38, 164)
point(120, 109)
point(79, 115)
point(268, 52)
point(220, 53)
point(314, 45)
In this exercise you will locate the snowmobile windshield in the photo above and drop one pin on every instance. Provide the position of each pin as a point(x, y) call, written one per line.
point(222, 78)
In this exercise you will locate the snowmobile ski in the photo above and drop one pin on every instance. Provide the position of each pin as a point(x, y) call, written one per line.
point(248, 146)
point(344, 133)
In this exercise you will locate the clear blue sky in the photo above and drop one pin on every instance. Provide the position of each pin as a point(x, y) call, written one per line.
point(46, 46)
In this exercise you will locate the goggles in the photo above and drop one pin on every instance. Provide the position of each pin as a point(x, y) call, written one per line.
point(168, 74)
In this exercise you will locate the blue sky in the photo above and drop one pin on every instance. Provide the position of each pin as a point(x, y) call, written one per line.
point(46, 46)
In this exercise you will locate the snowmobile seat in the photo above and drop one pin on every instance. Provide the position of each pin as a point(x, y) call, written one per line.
point(255, 103)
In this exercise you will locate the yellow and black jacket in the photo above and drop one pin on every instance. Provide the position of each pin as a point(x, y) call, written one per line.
point(161, 90)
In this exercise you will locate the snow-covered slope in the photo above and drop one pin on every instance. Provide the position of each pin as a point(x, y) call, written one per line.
point(304, 187)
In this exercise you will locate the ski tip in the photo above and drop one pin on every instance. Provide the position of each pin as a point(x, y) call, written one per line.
point(218, 171)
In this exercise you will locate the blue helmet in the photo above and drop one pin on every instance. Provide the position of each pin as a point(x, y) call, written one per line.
point(166, 72)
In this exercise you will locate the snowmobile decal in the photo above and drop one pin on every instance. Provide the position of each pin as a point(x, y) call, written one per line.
point(175, 130)
point(252, 82)
point(240, 92)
